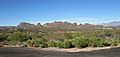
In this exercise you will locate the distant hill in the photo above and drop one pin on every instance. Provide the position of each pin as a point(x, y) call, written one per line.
point(58, 25)
point(25, 25)
point(7, 27)
point(114, 23)
point(64, 26)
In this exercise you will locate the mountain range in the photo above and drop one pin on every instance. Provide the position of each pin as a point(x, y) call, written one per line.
point(113, 24)
point(65, 25)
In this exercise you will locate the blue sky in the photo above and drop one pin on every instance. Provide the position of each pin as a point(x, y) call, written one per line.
point(12, 12)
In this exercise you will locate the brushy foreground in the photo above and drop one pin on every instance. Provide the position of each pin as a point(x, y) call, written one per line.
point(57, 38)
point(32, 40)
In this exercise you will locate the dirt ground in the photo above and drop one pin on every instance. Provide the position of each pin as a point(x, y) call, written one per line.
point(30, 52)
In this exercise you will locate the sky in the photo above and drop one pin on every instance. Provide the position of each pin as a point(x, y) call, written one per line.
point(12, 12)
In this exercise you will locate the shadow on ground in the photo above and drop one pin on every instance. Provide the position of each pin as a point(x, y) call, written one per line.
point(28, 52)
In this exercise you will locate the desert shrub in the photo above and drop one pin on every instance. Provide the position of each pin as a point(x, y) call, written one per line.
point(30, 43)
point(59, 44)
point(96, 42)
point(35, 42)
point(63, 44)
point(91, 42)
point(76, 42)
point(32, 39)
point(22, 44)
point(100, 42)
point(114, 42)
point(107, 42)
point(17, 37)
point(51, 43)
point(43, 45)
point(66, 44)
point(80, 42)
point(3, 37)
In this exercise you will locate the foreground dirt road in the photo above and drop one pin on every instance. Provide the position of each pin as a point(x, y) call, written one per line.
point(29, 52)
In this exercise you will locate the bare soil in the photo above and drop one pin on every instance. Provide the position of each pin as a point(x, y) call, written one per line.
point(74, 49)
point(31, 52)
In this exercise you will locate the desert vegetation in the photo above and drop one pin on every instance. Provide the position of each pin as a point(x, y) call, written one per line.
point(61, 35)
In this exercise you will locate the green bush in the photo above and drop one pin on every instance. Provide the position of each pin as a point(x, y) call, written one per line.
point(80, 42)
point(97, 42)
point(59, 44)
point(66, 44)
point(17, 37)
point(35, 42)
point(23, 44)
point(3, 37)
point(114, 42)
point(100, 42)
point(51, 43)
point(30, 43)
point(107, 42)
point(63, 44)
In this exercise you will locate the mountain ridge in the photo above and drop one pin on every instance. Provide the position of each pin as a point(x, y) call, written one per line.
point(113, 23)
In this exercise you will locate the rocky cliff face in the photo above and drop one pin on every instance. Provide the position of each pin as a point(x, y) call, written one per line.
point(59, 24)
